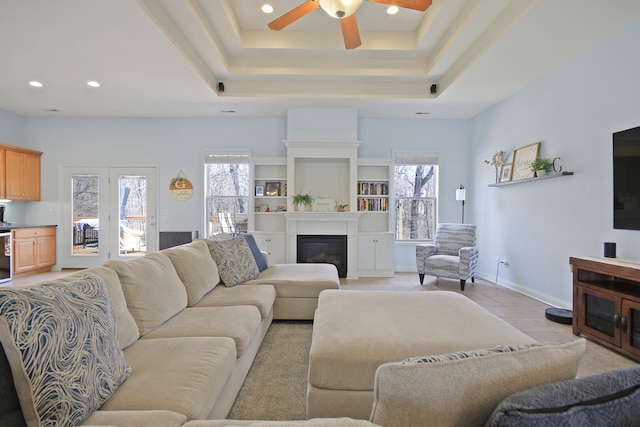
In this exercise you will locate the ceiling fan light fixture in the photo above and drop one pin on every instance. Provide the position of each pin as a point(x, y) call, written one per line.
point(392, 10)
point(340, 8)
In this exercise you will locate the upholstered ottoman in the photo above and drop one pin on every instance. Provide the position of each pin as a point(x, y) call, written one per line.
point(354, 332)
point(297, 287)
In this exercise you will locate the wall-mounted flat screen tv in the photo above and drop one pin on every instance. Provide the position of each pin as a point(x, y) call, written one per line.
point(626, 179)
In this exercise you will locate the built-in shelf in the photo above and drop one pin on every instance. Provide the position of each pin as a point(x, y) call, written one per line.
point(520, 181)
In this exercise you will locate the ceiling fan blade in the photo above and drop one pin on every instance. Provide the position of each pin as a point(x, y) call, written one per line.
point(350, 32)
point(420, 5)
point(293, 15)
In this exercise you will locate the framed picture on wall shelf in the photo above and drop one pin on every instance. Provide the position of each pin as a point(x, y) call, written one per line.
point(522, 159)
point(505, 172)
point(259, 190)
point(272, 189)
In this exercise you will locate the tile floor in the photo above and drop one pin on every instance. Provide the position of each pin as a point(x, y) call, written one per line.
point(524, 313)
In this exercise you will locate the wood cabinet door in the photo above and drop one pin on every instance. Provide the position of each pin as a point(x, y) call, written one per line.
point(31, 177)
point(46, 248)
point(24, 255)
point(2, 174)
point(630, 327)
point(599, 315)
point(14, 165)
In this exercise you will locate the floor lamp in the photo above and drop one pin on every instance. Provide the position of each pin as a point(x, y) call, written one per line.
point(461, 194)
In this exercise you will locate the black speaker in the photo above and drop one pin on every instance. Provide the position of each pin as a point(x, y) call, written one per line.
point(220, 87)
point(609, 249)
point(434, 89)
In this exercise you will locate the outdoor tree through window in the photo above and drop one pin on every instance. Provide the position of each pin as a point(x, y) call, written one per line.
point(227, 178)
point(415, 187)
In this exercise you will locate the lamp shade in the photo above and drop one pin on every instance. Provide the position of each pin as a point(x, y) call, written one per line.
point(461, 194)
point(340, 8)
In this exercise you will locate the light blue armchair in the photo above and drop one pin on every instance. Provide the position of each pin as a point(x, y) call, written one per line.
point(452, 255)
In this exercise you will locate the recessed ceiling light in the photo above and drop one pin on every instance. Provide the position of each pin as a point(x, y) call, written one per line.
point(35, 83)
point(267, 8)
point(392, 10)
point(93, 83)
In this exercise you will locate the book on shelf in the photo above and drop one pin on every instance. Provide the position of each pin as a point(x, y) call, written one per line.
point(373, 188)
point(374, 205)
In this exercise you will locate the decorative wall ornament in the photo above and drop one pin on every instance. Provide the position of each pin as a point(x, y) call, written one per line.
point(497, 160)
point(180, 187)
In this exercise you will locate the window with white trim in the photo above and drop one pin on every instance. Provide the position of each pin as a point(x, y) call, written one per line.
point(227, 196)
point(415, 180)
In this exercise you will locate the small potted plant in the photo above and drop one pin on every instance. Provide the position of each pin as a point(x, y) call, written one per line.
point(302, 199)
point(541, 166)
point(340, 208)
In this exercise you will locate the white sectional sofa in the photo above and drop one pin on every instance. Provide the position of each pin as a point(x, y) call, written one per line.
point(186, 338)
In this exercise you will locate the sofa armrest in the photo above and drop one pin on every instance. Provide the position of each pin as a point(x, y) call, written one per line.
point(423, 251)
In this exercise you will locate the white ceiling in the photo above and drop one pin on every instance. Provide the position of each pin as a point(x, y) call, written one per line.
point(165, 58)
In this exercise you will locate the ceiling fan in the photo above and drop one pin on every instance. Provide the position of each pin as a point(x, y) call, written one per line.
point(345, 11)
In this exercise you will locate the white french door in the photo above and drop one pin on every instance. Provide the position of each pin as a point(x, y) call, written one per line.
point(109, 213)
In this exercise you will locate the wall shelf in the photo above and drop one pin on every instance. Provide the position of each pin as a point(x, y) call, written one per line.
point(520, 181)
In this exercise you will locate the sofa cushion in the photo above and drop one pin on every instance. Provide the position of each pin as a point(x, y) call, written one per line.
point(127, 327)
point(299, 280)
point(184, 375)
point(235, 261)
point(61, 342)
point(239, 323)
point(195, 267)
point(464, 388)
point(136, 419)
point(260, 296)
point(257, 253)
point(152, 288)
point(612, 398)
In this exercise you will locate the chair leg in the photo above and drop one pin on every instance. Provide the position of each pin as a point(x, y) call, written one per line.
point(462, 283)
point(421, 275)
point(473, 279)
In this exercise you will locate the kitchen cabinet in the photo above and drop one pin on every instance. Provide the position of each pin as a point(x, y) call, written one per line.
point(34, 250)
point(21, 174)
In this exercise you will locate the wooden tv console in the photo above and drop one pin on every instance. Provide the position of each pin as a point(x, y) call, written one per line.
point(606, 302)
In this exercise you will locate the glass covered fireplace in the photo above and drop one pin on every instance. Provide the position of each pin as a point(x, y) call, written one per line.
point(332, 249)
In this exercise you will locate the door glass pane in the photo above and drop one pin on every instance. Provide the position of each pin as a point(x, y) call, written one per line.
point(85, 208)
point(635, 328)
point(600, 313)
point(132, 206)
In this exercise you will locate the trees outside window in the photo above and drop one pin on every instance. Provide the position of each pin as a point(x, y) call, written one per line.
point(415, 189)
point(227, 180)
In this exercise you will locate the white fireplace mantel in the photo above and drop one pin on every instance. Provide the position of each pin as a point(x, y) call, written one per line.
point(325, 223)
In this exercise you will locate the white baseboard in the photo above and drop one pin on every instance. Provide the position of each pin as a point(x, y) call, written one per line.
point(542, 297)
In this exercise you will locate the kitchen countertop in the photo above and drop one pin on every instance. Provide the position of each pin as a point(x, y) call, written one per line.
point(13, 227)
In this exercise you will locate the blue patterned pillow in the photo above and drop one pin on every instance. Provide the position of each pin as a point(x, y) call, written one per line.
point(235, 261)
point(62, 345)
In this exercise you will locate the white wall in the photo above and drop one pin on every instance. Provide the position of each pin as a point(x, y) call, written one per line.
point(537, 226)
point(176, 144)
